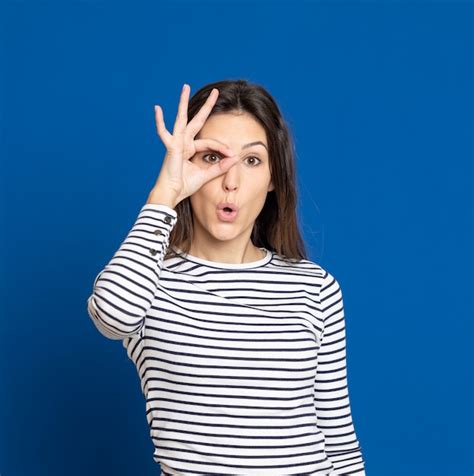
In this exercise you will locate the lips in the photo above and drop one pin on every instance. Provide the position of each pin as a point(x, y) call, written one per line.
point(227, 206)
point(227, 211)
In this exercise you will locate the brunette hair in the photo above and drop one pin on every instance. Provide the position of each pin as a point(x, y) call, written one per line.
point(276, 227)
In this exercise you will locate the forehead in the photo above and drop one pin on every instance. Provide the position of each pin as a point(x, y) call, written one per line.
point(233, 129)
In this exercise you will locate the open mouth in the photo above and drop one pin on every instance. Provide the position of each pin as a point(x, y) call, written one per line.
point(227, 213)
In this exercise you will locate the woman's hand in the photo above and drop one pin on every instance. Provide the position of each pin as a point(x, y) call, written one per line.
point(179, 177)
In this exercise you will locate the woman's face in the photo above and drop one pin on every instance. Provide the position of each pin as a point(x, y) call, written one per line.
point(246, 183)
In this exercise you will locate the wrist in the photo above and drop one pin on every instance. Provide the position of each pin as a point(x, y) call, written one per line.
point(162, 197)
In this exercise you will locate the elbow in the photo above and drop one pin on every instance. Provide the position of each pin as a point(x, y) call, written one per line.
point(111, 323)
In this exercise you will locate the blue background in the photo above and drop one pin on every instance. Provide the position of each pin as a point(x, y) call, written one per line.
point(379, 98)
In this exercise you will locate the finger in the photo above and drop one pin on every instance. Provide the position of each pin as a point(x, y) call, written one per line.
point(196, 123)
point(211, 144)
point(182, 115)
point(221, 167)
point(161, 127)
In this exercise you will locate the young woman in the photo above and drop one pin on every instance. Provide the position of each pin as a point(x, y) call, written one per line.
point(238, 338)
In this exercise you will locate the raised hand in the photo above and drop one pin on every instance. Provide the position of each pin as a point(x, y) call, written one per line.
point(179, 177)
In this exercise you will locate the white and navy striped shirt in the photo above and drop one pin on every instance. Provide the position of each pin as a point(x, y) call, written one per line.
point(243, 366)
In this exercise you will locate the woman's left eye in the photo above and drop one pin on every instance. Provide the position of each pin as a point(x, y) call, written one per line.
point(253, 157)
point(216, 155)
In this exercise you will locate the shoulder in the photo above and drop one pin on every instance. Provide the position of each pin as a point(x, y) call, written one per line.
point(323, 279)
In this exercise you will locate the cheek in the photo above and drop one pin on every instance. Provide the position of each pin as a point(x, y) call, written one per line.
point(201, 199)
point(256, 200)
point(195, 201)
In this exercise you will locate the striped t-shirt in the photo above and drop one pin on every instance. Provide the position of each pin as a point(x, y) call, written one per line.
point(243, 366)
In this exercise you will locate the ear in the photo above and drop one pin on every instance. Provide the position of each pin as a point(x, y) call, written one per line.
point(271, 186)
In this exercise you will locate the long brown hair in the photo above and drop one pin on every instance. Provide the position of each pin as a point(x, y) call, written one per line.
point(276, 227)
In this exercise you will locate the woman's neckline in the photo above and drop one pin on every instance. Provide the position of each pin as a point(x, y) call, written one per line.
point(216, 264)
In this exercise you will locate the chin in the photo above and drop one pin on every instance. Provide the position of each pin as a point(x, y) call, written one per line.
point(224, 235)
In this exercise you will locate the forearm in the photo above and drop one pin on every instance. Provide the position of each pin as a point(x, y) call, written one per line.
point(124, 290)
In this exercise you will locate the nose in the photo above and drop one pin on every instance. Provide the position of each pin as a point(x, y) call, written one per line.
point(231, 179)
point(229, 187)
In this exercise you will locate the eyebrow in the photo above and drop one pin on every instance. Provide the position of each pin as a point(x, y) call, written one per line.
point(246, 146)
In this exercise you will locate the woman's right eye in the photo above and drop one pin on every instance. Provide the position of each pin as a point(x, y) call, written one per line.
point(209, 155)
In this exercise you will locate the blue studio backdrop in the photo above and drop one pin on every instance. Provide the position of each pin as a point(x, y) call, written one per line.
point(378, 96)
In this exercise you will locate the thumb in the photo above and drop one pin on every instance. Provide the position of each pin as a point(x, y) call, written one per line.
point(222, 166)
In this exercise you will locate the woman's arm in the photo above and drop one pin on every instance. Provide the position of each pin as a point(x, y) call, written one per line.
point(331, 395)
point(124, 290)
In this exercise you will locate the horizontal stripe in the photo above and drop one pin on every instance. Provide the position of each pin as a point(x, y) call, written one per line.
point(242, 366)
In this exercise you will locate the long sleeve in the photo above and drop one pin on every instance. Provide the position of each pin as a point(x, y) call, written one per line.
point(123, 291)
point(331, 396)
